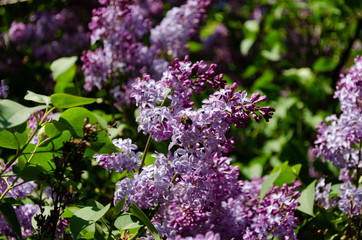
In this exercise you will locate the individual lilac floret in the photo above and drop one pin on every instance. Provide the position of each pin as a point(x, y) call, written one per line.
point(24, 214)
point(350, 199)
point(20, 191)
point(339, 142)
point(128, 159)
point(179, 24)
point(3, 89)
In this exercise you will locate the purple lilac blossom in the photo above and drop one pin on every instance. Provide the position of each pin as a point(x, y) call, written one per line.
point(19, 33)
point(205, 196)
point(3, 89)
point(120, 27)
point(179, 24)
point(33, 123)
point(128, 159)
point(322, 191)
point(42, 31)
point(350, 199)
point(339, 142)
point(208, 236)
point(24, 214)
point(21, 191)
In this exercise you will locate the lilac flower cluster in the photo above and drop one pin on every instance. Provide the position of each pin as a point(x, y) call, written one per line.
point(20, 191)
point(41, 34)
point(24, 212)
point(195, 188)
point(3, 89)
point(127, 159)
point(177, 26)
point(340, 142)
point(121, 26)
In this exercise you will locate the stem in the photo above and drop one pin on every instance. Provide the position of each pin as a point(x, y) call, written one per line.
point(145, 152)
point(149, 141)
point(18, 153)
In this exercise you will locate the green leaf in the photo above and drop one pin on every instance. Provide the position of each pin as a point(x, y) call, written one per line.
point(85, 217)
point(324, 64)
point(268, 182)
point(63, 100)
point(306, 199)
point(13, 114)
point(273, 55)
point(119, 206)
point(252, 25)
point(136, 211)
point(99, 233)
point(245, 45)
point(8, 140)
point(63, 71)
point(288, 174)
point(127, 221)
point(7, 210)
point(194, 46)
point(39, 98)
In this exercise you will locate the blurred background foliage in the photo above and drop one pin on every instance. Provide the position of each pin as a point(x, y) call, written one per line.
point(290, 50)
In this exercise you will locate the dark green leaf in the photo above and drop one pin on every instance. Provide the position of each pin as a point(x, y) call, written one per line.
point(99, 233)
point(7, 210)
point(306, 199)
point(39, 98)
point(13, 114)
point(119, 206)
point(136, 211)
point(63, 100)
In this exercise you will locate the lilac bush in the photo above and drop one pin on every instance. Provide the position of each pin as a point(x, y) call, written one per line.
point(340, 143)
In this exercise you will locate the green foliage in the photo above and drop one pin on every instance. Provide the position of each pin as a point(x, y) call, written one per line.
point(7, 210)
point(85, 217)
point(63, 70)
point(306, 199)
point(13, 114)
point(137, 212)
point(63, 100)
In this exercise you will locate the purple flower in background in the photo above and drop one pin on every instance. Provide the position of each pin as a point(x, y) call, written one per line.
point(34, 121)
point(179, 24)
point(19, 33)
point(3, 89)
point(22, 188)
point(24, 214)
